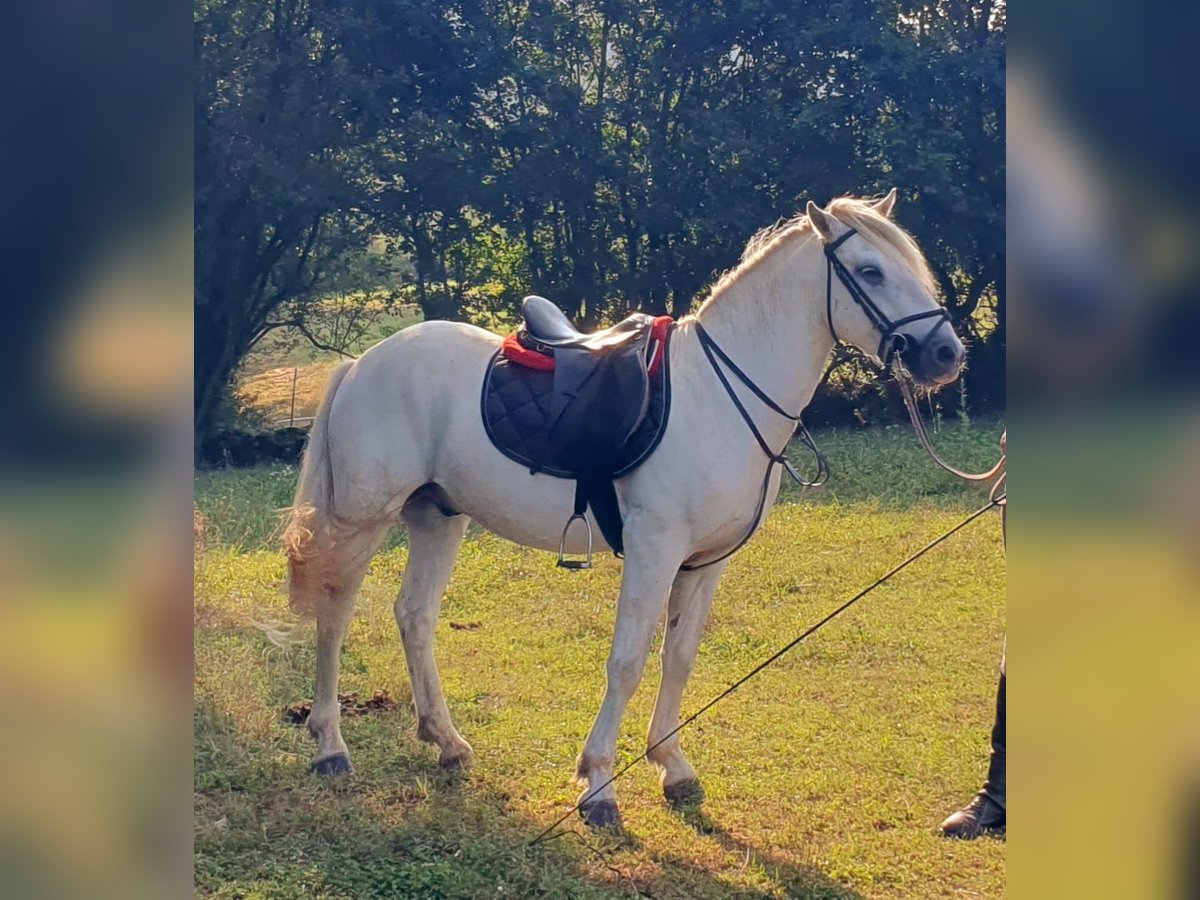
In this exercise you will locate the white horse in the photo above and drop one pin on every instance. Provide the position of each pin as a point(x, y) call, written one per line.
point(399, 434)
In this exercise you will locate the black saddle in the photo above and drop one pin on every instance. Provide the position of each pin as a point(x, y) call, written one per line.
point(548, 326)
point(594, 417)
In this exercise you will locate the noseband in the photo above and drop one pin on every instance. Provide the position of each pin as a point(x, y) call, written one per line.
point(891, 342)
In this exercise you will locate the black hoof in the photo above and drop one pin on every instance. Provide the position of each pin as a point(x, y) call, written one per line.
point(338, 764)
point(600, 814)
point(459, 763)
point(688, 792)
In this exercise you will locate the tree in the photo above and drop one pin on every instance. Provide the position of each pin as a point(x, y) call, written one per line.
point(303, 109)
point(940, 134)
point(270, 187)
point(613, 154)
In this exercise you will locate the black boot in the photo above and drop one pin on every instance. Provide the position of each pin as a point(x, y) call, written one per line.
point(986, 813)
point(981, 816)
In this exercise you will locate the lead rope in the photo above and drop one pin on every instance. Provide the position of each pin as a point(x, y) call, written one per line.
point(992, 502)
point(914, 413)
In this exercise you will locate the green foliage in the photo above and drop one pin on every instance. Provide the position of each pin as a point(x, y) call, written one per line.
point(301, 108)
point(489, 306)
point(611, 155)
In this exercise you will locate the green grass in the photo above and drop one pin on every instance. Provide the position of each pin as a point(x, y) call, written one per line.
point(826, 775)
point(882, 466)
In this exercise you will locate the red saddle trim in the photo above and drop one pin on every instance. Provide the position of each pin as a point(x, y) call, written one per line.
point(512, 350)
point(660, 335)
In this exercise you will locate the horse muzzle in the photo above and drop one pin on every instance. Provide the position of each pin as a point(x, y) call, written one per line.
point(937, 360)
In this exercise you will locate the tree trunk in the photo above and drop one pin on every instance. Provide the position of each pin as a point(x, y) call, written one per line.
point(218, 349)
point(536, 269)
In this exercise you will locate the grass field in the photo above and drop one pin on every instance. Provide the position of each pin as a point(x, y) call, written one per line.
point(826, 776)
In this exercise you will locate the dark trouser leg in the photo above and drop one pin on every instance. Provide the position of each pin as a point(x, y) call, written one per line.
point(994, 786)
point(987, 811)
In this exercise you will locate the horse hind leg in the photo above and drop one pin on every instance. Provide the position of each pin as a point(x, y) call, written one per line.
point(324, 583)
point(435, 533)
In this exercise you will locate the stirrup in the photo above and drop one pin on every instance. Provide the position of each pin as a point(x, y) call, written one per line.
point(563, 562)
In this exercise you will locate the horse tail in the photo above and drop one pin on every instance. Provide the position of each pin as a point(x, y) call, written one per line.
point(309, 532)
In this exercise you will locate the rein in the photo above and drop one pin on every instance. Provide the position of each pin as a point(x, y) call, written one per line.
point(716, 356)
point(910, 403)
point(714, 352)
point(892, 348)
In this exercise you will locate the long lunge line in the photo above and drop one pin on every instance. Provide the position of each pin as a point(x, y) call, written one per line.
point(993, 502)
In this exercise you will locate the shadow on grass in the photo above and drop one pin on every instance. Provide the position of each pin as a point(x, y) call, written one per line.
point(796, 880)
point(400, 827)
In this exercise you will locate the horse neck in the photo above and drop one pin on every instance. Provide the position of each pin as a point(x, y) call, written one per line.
point(771, 321)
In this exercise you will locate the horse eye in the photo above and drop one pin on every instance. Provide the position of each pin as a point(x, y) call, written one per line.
point(871, 274)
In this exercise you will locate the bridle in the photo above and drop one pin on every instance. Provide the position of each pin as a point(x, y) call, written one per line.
point(891, 342)
point(893, 347)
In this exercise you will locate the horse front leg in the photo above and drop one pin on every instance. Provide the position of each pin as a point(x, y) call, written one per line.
point(687, 611)
point(650, 567)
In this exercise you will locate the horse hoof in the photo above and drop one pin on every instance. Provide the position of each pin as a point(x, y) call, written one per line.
point(338, 764)
point(688, 792)
point(455, 762)
point(601, 814)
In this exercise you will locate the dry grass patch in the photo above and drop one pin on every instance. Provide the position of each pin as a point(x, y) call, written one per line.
point(269, 395)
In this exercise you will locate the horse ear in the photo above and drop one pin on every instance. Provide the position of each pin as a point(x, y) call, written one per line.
point(820, 220)
point(885, 205)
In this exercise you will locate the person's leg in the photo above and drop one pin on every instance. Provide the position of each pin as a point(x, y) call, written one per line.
point(987, 811)
point(994, 786)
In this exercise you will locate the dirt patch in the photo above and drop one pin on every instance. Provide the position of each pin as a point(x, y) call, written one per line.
point(379, 702)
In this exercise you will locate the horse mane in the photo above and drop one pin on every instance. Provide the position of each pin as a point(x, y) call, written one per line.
point(859, 214)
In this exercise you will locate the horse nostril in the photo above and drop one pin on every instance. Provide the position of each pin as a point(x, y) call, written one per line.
point(945, 355)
